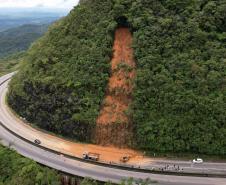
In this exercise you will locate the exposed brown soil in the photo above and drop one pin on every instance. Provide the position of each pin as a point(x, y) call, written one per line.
point(113, 124)
point(107, 154)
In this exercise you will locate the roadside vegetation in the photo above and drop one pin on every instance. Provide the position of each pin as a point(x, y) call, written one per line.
point(11, 63)
point(129, 181)
point(179, 98)
point(17, 170)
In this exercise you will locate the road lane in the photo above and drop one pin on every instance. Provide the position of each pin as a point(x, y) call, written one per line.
point(80, 168)
point(97, 172)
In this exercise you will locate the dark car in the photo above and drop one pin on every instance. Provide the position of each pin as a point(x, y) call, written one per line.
point(38, 142)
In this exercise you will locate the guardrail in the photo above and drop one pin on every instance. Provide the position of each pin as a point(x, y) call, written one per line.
point(111, 165)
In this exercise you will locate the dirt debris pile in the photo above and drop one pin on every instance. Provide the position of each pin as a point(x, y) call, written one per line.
point(114, 123)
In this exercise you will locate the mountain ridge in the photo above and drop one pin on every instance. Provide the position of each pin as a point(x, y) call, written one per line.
point(19, 39)
point(180, 86)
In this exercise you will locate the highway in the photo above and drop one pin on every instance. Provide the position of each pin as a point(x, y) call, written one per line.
point(79, 168)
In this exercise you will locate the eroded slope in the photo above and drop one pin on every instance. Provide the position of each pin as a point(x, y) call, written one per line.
point(113, 123)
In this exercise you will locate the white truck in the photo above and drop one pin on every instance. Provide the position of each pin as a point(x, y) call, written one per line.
point(91, 156)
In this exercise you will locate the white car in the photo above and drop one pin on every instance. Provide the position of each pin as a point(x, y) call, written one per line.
point(197, 161)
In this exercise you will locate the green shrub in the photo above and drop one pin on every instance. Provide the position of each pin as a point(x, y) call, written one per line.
point(15, 170)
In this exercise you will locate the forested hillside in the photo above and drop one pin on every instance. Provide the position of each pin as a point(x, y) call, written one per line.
point(179, 97)
point(17, 170)
point(20, 38)
point(11, 63)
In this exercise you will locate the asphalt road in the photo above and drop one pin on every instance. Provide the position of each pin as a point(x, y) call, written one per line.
point(83, 169)
point(188, 166)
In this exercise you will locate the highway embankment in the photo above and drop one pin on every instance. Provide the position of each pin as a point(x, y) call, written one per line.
point(14, 136)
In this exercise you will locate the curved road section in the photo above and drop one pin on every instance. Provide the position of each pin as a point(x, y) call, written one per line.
point(11, 124)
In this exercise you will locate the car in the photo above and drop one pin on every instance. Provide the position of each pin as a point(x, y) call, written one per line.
point(197, 161)
point(38, 142)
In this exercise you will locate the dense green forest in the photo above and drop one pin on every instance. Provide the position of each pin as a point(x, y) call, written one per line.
point(179, 100)
point(16, 170)
point(20, 38)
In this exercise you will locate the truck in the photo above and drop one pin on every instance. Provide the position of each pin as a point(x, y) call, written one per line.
point(91, 156)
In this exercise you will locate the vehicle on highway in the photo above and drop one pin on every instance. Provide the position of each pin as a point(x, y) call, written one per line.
point(91, 156)
point(197, 161)
point(125, 158)
point(24, 119)
point(38, 142)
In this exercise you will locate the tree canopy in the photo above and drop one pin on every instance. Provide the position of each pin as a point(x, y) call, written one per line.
point(15, 169)
point(20, 38)
point(179, 99)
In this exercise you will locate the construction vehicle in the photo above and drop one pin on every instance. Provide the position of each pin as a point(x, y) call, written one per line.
point(125, 158)
point(91, 156)
point(37, 141)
